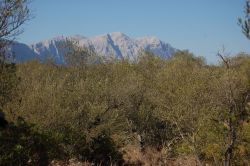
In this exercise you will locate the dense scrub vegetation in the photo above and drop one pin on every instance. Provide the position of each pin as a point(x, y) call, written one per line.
point(93, 112)
point(153, 112)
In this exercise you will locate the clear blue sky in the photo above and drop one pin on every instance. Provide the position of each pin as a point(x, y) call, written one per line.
point(201, 26)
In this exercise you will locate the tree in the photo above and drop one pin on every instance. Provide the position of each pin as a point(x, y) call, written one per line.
point(235, 95)
point(245, 23)
point(76, 55)
point(13, 14)
point(183, 100)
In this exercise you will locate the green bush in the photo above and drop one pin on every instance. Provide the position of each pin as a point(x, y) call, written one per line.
point(93, 111)
point(22, 144)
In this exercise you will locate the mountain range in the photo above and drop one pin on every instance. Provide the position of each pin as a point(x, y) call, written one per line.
point(115, 45)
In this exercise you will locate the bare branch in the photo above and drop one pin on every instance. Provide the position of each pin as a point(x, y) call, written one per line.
point(13, 14)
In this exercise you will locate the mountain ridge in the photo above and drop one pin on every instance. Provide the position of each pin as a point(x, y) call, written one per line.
point(114, 45)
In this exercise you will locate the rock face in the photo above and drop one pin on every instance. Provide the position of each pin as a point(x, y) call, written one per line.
point(114, 45)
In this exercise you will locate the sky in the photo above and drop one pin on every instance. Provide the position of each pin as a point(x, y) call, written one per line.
point(201, 26)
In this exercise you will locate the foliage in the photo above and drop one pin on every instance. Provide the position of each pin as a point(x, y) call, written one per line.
point(22, 144)
point(8, 83)
point(179, 105)
point(245, 23)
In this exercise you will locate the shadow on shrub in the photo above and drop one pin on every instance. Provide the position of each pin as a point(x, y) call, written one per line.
point(101, 150)
point(21, 144)
point(104, 150)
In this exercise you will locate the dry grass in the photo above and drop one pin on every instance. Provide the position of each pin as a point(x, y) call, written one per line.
point(71, 162)
point(153, 157)
point(133, 156)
